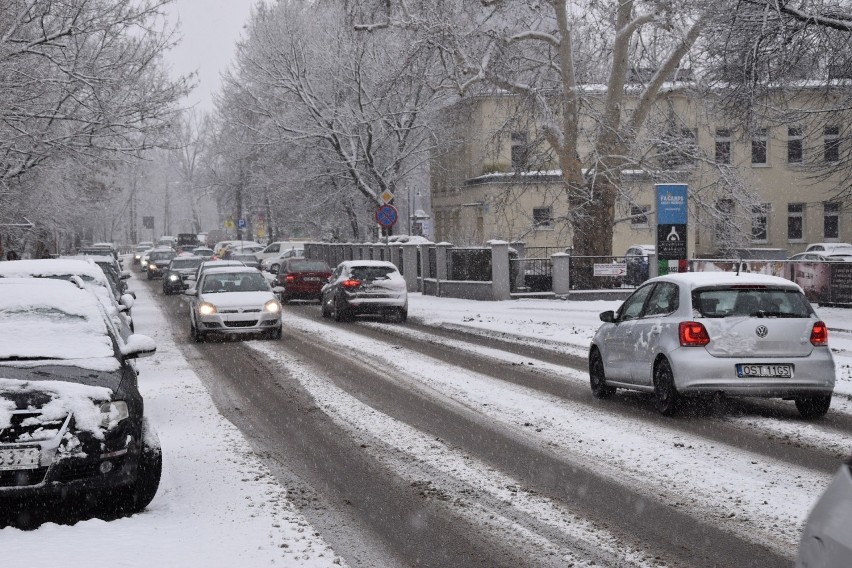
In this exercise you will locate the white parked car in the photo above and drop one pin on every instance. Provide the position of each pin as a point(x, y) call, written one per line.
point(276, 249)
point(830, 248)
point(715, 332)
point(365, 287)
point(273, 263)
point(233, 301)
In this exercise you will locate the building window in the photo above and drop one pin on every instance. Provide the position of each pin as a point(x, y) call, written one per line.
point(723, 146)
point(831, 220)
point(639, 215)
point(794, 145)
point(520, 151)
point(831, 144)
point(758, 147)
point(678, 148)
point(760, 223)
point(543, 218)
point(724, 211)
point(795, 221)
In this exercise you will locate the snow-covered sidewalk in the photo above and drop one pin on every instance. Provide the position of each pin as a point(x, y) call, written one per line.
point(217, 506)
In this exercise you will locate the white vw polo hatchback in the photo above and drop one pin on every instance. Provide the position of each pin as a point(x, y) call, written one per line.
point(713, 332)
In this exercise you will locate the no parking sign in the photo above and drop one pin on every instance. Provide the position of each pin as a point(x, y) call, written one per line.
point(386, 216)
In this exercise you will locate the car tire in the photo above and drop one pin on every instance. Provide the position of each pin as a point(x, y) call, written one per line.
point(275, 333)
point(814, 406)
point(149, 276)
point(324, 308)
point(597, 376)
point(339, 313)
point(666, 397)
point(197, 335)
point(139, 494)
point(402, 315)
point(285, 298)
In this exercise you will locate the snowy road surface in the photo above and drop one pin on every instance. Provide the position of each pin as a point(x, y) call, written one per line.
point(473, 443)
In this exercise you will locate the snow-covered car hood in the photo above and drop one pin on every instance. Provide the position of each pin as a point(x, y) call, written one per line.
point(55, 400)
point(237, 299)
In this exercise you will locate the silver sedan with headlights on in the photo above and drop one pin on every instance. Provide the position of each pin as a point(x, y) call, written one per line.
point(714, 332)
point(233, 301)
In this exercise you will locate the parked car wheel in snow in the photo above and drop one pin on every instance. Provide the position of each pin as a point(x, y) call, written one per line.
point(135, 497)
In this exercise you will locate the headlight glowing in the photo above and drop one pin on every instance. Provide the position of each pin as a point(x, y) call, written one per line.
point(152, 265)
point(206, 309)
point(112, 413)
point(272, 306)
point(174, 277)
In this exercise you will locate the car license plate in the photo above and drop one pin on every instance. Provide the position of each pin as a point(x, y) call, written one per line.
point(19, 458)
point(772, 371)
point(311, 278)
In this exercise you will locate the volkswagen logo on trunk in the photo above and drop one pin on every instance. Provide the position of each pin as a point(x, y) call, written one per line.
point(761, 331)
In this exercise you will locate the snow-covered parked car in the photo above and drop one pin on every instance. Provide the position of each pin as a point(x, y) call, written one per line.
point(365, 287)
point(71, 416)
point(715, 332)
point(92, 275)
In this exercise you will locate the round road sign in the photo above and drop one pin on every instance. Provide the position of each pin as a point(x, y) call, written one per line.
point(387, 216)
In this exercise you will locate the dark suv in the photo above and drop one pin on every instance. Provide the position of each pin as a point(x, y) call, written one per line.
point(158, 261)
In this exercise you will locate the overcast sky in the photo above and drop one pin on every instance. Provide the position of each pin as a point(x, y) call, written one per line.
point(210, 30)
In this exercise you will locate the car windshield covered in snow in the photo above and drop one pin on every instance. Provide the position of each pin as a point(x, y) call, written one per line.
point(234, 282)
point(67, 324)
point(754, 301)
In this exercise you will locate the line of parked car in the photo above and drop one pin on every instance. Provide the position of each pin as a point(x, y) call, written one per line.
point(72, 423)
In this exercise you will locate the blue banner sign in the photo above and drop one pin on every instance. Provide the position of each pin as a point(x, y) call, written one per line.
point(671, 204)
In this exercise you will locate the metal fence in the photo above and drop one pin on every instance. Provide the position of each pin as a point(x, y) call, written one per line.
point(537, 274)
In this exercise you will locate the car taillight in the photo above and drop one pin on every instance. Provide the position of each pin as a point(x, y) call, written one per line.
point(350, 283)
point(289, 278)
point(693, 334)
point(819, 334)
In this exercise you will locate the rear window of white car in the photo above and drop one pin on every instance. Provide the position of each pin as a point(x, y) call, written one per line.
point(750, 301)
point(372, 272)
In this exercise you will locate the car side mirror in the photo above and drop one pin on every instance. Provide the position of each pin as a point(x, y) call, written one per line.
point(279, 289)
point(138, 346)
point(190, 292)
point(273, 269)
point(127, 300)
point(608, 316)
point(125, 275)
point(191, 277)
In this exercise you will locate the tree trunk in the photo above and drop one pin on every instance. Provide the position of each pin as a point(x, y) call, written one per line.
point(594, 218)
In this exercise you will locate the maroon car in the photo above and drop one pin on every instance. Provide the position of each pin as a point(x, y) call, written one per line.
point(302, 279)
